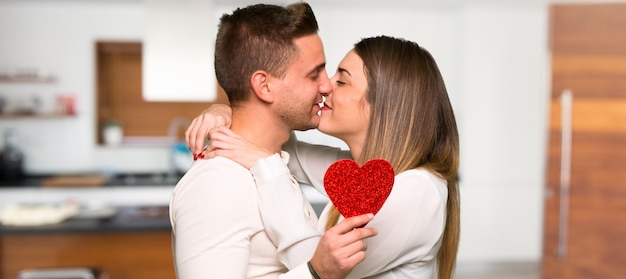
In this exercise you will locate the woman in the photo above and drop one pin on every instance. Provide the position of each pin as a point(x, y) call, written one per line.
point(388, 101)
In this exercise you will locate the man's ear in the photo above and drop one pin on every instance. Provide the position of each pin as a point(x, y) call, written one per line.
point(260, 86)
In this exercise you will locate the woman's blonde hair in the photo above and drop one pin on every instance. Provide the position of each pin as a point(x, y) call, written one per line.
point(412, 124)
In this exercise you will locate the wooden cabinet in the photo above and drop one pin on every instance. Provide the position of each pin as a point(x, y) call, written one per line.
point(122, 255)
point(585, 220)
point(119, 95)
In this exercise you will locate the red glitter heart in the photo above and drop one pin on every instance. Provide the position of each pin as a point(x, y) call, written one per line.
point(358, 190)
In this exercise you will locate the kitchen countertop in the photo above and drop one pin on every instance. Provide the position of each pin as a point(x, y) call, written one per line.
point(130, 195)
point(122, 190)
point(117, 196)
point(125, 219)
point(120, 179)
point(140, 203)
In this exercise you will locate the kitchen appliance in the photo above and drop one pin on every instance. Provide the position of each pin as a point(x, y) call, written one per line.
point(11, 158)
point(182, 158)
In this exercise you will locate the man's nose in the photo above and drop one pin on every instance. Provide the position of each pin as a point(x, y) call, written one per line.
point(326, 87)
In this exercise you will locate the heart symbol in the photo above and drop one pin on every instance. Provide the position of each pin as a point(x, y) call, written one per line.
point(358, 190)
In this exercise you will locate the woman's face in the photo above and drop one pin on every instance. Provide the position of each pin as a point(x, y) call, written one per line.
point(346, 113)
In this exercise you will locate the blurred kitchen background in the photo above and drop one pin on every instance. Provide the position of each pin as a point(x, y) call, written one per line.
point(88, 138)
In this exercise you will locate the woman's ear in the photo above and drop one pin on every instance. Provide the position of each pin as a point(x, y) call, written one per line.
point(260, 86)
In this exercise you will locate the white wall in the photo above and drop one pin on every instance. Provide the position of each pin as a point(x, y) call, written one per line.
point(503, 100)
point(59, 37)
point(494, 60)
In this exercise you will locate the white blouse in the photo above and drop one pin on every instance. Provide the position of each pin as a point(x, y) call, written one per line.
point(410, 224)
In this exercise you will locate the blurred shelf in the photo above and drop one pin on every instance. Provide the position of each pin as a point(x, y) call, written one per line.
point(7, 116)
point(26, 79)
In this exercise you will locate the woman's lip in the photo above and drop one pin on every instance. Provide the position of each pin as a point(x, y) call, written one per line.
point(325, 106)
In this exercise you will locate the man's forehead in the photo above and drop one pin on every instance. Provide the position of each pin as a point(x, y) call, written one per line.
point(310, 53)
point(312, 43)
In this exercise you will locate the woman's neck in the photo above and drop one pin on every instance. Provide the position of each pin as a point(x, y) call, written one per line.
point(356, 147)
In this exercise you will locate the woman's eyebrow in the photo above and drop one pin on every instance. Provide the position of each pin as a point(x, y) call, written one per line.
point(342, 70)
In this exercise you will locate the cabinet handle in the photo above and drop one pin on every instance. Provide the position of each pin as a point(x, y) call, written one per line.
point(566, 163)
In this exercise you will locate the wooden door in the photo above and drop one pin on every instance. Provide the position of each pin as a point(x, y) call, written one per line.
point(585, 207)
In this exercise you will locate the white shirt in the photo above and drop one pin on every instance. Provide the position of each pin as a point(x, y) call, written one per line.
point(410, 224)
point(225, 228)
point(218, 230)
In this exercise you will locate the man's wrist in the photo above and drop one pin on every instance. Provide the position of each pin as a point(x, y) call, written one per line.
point(312, 270)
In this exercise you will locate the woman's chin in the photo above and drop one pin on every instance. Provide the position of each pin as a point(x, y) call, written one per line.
point(326, 129)
point(326, 124)
point(323, 126)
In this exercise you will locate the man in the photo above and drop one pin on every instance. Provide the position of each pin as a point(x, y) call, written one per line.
point(270, 61)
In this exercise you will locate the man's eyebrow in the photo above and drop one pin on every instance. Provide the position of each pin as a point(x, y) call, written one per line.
point(317, 69)
point(342, 70)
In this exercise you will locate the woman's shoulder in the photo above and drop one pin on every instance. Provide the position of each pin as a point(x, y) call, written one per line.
point(421, 174)
point(422, 180)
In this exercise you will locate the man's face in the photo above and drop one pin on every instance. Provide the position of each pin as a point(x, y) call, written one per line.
point(302, 88)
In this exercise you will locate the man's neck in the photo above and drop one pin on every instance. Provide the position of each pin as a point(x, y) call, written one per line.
point(259, 128)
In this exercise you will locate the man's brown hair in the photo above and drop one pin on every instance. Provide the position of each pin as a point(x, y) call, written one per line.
point(258, 37)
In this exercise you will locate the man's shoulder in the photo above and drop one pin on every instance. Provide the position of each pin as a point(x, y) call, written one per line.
point(220, 164)
point(215, 170)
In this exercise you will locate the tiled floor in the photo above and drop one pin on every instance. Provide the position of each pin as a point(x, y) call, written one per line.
point(521, 270)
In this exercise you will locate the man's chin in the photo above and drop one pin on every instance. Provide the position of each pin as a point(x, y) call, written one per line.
point(308, 127)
